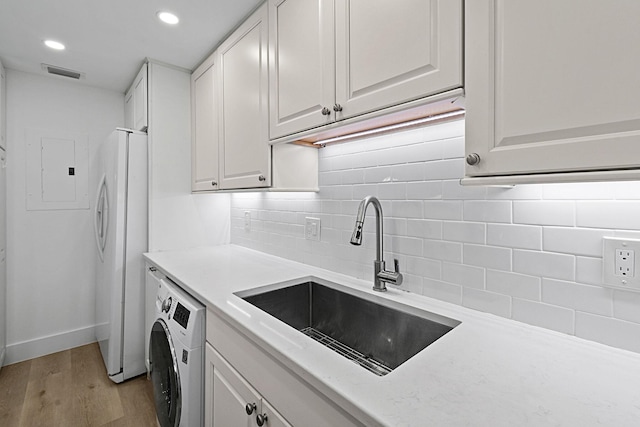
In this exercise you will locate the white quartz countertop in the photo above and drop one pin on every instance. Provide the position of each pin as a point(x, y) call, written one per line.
point(488, 371)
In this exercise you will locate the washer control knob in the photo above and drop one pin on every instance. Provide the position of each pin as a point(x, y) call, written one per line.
point(166, 304)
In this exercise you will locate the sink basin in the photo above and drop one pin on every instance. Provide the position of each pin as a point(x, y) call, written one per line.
point(376, 333)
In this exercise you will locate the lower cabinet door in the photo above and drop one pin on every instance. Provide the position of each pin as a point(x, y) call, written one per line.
point(272, 417)
point(231, 401)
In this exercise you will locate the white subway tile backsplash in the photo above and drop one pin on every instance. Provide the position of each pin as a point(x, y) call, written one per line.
point(614, 332)
point(591, 299)
point(425, 190)
point(392, 191)
point(451, 210)
point(467, 232)
point(544, 264)
point(589, 270)
point(487, 211)
point(528, 252)
point(515, 236)
point(444, 169)
point(514, 284)
point(487, 301)
point(626, 305)
point(539, 314)
point(425, 228)
point(580, 191)
point(442, 290)
point(608, 214)
point(578, 241)
point(544, 212)
point(487, 256)
point(463, 275)
point(442, 250)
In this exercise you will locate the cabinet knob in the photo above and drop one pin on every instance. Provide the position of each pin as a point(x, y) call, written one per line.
point(262, 178)
point(250, 408)
point(337, 108)
point(261, 419)
point(326, 111)
point(214, 183)
point(473, 159)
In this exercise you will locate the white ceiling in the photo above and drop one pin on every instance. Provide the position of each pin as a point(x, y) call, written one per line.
point(108, 40)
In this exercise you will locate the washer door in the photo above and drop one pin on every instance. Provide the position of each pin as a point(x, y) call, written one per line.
point(164, 375)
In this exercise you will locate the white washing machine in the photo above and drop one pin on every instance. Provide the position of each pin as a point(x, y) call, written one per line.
point(176, 356)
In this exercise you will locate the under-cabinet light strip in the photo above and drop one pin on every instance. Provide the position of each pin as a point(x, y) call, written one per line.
point(411, 123)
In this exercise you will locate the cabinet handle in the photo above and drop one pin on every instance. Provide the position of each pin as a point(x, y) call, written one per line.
point(152, 269)
point(261, 419)
point(250, 408)
point(214, 183)
point(337, 108)
point(326, 111)
point(262, 178)
point(473, 159)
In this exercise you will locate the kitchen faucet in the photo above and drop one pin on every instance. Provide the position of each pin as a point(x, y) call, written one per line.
point(381, 276)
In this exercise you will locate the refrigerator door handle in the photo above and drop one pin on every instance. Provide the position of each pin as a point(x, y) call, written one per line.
point(101, 222)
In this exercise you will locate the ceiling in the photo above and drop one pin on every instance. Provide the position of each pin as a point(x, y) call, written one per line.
point(108, 40)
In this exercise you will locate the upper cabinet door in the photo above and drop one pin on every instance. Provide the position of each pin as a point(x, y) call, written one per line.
point(204, 147)
point(301, 65)
point(242, 105)
point(140, 108)
point(390, 52)
point(552, 86)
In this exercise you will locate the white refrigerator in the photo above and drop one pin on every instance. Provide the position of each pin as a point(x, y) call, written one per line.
point(120, 225)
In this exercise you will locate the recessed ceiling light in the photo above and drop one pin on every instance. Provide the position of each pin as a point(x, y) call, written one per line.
point(54, 44)
point(168, 18)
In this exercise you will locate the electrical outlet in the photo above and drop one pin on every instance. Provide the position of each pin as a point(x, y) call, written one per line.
point(247, 221)
point(312, 229)
point(619, 264)
point(624, 260)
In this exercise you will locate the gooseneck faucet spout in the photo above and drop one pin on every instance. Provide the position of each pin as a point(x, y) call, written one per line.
point(381, 275)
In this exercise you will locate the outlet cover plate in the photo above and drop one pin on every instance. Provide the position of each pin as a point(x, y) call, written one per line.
point(312, 229)
point(247, 221)
point(610, 246)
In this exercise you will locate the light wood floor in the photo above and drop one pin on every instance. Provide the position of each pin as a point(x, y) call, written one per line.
point(71, 389)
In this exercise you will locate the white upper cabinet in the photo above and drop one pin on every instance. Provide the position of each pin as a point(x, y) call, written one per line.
point(336, 59)
point(242, 105)
point(552, 87)
point(204, 119)
point(3, 108)
point(390, 52)
point(136, 102)
point(302, 64)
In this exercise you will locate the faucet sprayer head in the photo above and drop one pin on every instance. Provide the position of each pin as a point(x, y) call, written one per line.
point(356, 237)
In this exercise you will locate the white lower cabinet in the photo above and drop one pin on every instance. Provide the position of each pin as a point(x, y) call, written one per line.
point(240, 374)
point(233, 402)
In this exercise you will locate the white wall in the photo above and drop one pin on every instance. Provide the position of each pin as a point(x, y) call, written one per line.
point(531, 253)
point(177, 219)
point(50, 260)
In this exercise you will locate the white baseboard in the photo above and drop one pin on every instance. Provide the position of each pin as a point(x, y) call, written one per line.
point(25, 350)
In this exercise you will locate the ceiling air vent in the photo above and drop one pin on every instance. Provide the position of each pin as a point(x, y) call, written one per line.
point(58, 71)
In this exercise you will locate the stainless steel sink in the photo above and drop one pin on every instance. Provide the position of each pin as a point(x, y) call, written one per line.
point(374, 332)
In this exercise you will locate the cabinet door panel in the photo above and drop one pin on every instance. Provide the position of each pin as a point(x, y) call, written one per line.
point(204, 151)
point(274, 419)
point(393, 52)
point(552, 86)
point(302, 64)
point(230, 394)
point(140, 108)
point(243, 77)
